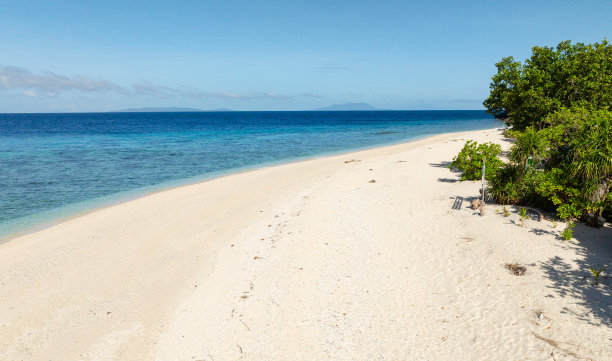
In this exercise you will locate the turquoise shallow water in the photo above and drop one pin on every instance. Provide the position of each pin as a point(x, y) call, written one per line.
point(56, 165)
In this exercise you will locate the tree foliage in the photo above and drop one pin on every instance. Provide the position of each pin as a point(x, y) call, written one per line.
point(580, 163)
point(470, 159)
point(524, 94)
point(559, 104)
point(530, 146)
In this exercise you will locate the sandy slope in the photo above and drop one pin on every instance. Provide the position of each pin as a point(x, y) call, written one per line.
point(308, 261)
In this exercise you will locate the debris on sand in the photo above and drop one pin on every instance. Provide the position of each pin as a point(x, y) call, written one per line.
point(516, 269)
point(476, 203)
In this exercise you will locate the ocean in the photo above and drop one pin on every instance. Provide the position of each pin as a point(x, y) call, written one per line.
point(58, 165)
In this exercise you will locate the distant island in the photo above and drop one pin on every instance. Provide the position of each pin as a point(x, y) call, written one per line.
point(349, 106)
point(166, 110)
point(334, 107)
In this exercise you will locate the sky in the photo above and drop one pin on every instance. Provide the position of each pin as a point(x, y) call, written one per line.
point(87, 56)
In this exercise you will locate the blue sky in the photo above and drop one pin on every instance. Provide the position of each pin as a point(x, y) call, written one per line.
point(272, 55)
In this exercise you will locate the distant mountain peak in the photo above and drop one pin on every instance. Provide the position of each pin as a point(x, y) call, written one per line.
point(349, 106)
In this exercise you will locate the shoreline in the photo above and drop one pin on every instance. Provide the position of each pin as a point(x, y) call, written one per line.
point(134, 194)
point(354, 256)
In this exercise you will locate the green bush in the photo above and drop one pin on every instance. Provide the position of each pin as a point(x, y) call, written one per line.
point(524, 93)
point(523, 213)
point(566, 167)
point(508, 186)
point(568, 232)
point(559, 105)
point(506, 212)
point(596, 273)
point(509, 133)
point(579, 165)
point(470, 159)
point(530, 148)
point(503, 187)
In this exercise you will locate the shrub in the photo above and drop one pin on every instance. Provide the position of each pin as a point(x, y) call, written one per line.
point(597, 273)
point(523, 94)
point(559, 106)
point(509, 133)
point(506, 212)
point(503, 187)
point(470, 159)
point(523, 213)
point(579, 166)
point(508, 186)
point(531, 147)
point(568, 232)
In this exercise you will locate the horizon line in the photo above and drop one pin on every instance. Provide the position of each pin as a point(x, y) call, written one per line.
point(244, 111)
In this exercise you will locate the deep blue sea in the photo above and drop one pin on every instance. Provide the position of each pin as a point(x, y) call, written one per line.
point(56, 165)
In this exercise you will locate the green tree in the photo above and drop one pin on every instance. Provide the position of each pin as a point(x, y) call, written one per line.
point(470, 159)
point(581, 158)
point(551, 79)
point(529, 145)
point(559, 104)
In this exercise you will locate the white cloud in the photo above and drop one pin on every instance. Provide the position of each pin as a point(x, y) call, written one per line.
point(144, 87)
point(16, 81)
point(12, 78)
point(313, 95)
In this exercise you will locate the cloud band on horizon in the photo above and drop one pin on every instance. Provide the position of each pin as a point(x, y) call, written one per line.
point(21, 81)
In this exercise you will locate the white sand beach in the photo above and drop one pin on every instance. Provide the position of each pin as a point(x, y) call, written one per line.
point(352, 257)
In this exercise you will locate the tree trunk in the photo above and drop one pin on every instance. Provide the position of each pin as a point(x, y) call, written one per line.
point(601, 192)
point(599, 195)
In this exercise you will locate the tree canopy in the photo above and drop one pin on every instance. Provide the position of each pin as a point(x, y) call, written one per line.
point(578, 173)
point(559, 105)
point(570, 75)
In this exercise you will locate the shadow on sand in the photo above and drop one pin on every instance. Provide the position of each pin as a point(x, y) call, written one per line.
point(453, 170)
point(594, 249)
point(440, 165)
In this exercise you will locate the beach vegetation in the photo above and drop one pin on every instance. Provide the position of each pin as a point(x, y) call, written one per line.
point(558, 104)
point(597, 273)
point(508, 133)
point(529, 149)
point(523, 214)
point(471, 157)
point(566, 168)
point(568, 232)
point(513, 185)
point(579, 173)
point(523, 94)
